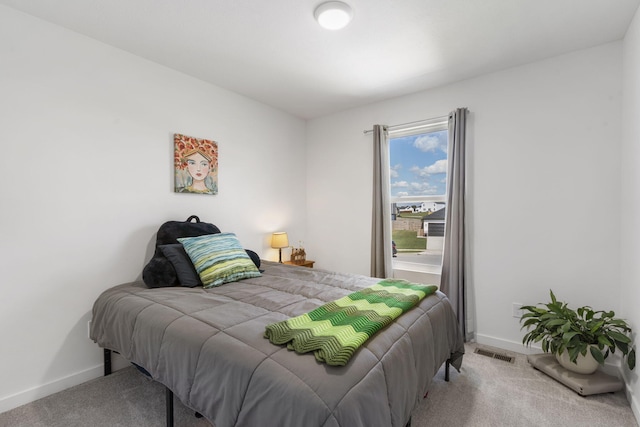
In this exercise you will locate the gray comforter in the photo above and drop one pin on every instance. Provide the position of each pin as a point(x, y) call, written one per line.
point(208, 347)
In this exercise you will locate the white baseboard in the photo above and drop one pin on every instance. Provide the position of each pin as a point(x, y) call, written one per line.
point(612, 365)
point(30, 395)
point(633, 400)
point(514, 346)
point(13, 401)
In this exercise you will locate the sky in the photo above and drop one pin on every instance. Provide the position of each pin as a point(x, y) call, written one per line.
point(419, 164)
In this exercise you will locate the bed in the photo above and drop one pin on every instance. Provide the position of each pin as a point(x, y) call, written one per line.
point(207, 346)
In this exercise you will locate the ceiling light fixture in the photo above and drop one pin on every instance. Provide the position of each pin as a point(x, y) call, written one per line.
point(333, 15)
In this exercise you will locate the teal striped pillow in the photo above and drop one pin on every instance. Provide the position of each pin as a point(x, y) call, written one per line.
point(219, 258)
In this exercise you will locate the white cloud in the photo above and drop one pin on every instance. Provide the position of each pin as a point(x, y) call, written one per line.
point(393, 171)
point(417, 188)
point(440, 166)
point(423, 188)
point(430, 143)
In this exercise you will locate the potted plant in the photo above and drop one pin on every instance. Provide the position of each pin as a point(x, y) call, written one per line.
point(577, 334)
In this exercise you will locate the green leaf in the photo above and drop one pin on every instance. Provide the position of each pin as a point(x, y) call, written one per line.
point(596, 327)
point(529, 322)
point(631, 359)
point(623, 346)
point(620, 323)
point(573, 354)
point(533, 311)
point(597, 354)
point(604, 340)
point(566, 337)
point(619, 337)
point(555, 322)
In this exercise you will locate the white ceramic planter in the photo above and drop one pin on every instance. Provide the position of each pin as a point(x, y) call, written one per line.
point(584, 364)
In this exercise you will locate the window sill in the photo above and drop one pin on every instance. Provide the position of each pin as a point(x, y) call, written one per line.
point(417, 268)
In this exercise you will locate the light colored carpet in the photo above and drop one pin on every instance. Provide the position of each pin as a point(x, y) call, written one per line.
point(487, 392)
point(490, 392)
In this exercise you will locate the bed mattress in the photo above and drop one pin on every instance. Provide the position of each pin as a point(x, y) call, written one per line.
point(208, 347)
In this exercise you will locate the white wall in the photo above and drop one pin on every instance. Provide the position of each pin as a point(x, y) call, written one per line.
point(630, 222)
point(543, 183)
point(86, 170)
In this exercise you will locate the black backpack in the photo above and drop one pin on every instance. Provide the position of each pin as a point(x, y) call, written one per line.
point(170, 264)
point(160, 271)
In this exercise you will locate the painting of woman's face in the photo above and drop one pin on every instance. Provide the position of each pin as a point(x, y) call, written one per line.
point(195, 165)
point(198, 166)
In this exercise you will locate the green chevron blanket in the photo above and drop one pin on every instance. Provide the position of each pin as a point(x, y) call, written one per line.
point(334, 331)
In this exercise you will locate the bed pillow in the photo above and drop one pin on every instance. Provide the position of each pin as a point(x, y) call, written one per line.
point(219, 258)
point(186, 272)
point(255, 258)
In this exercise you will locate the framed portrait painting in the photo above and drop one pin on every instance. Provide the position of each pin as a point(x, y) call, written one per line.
point(196, 165)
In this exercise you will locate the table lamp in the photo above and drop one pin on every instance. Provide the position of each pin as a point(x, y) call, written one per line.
point(279, 240)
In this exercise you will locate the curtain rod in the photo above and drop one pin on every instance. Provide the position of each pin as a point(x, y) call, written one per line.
point(417, 123)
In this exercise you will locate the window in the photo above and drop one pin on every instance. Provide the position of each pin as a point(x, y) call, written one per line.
point(418, 180)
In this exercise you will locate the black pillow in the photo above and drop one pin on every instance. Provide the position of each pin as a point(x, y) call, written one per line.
point(255, 258)
point(186, 272)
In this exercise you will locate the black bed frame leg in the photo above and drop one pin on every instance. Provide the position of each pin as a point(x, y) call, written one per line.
point(107, 362)
point(169, 405)
point(446, 370)
point(168, 392)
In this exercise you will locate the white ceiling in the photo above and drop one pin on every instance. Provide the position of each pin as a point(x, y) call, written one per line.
point(274, 52)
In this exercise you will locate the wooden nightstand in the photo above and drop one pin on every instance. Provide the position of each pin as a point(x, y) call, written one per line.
point(306, 263)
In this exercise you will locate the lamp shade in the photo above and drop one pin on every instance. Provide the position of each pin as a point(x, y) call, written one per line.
point(279, 240)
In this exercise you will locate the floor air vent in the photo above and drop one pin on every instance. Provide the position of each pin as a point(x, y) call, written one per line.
point(494, 355)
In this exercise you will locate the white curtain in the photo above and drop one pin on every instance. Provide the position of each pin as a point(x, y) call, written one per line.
point(381, 221)
point(453, 278)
